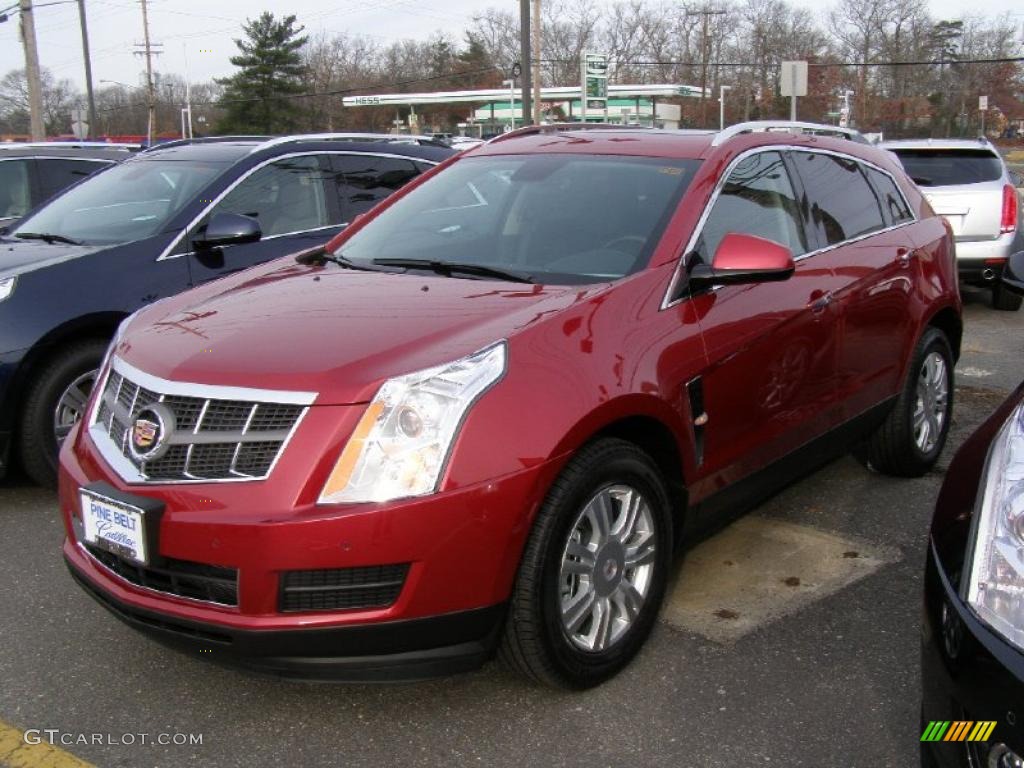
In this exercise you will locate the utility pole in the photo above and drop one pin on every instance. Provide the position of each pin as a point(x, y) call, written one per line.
point(35, 85)
point(706, 13)
point(88, 69)
point(536, 62)
point(147, 51)
point(525, 58)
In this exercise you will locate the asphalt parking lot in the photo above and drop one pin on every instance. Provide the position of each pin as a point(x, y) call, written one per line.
point(821, 669)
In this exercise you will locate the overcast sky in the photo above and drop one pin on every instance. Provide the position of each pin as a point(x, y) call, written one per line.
point(204, 31)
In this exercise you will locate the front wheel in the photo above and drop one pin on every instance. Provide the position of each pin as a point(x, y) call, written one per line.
point(910, 440)
point(594, 571)
point(55, 403)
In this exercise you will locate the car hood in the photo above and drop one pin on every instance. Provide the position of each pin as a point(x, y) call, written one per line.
point(335, 332)
point(19, 256)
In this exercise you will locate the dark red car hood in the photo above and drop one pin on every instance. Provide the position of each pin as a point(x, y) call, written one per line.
point(333, 331)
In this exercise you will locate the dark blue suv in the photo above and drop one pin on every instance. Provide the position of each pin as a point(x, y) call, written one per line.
point(166, 220)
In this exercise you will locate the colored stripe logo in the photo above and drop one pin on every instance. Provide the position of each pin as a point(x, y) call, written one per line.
point(958, 730)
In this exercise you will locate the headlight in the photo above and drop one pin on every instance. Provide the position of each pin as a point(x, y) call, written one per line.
point(996, 586)
point(400, 445)
point(7, 287)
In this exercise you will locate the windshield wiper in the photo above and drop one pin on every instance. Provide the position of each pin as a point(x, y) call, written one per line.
point(320, 256)
point(447, 268)
point(47, 237)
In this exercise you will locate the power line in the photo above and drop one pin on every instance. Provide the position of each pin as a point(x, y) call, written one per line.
point(821, 64)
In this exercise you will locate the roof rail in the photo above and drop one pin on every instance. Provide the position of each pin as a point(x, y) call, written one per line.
point(72, 144)
point(790, 126)
point(204, 140)
point(530, 130)
point(393, 138)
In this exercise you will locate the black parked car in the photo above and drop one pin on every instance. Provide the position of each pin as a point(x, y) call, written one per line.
point(973, 639)
point(168, 219)
point(31, 174)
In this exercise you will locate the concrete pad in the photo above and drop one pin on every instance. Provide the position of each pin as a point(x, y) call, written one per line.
point(758, 570)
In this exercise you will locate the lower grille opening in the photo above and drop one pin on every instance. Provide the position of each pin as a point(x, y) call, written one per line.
point(177, 577)
point(371, 586)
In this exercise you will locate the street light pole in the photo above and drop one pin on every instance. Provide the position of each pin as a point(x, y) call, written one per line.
point(706, 13)
point(511, 102)
point(721, 105)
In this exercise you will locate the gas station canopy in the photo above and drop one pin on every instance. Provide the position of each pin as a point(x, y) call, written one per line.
point(497, 94)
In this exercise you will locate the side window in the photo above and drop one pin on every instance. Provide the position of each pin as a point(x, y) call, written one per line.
point(55, 175)
point(893, 204)
point(842, 203)
point(284, 196)
point(14, 189)
point(757, 199)
point(363, 180)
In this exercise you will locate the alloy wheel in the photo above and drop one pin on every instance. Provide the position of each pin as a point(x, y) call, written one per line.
point(71, 405)
point(607, 567)
point(932, 405)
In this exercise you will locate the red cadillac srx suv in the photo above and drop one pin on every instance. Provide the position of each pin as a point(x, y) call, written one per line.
point(479, 420)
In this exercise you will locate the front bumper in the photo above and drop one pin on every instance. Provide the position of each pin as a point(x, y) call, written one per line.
point(968, 673)
point(462, 548)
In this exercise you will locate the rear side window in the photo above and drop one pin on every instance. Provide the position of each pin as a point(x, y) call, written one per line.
point(757, 199)
point(14, 189)
point(949, 167)
point(57, 174)
point(364, 180)
point(842, 203)
point(893, 204)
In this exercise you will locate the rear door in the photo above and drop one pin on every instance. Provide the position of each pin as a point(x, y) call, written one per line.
point(963, 184)
point(289, 198)
point(864, 239)
point(771, 347)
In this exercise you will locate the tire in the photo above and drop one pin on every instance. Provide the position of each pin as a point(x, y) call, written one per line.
point(894, 449)
point(1005, 300)
point(37, 437)
point(536, 642)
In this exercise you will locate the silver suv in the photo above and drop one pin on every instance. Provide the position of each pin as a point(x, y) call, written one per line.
point(967, 183)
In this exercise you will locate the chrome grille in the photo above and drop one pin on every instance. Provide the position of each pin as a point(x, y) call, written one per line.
point(214, 437)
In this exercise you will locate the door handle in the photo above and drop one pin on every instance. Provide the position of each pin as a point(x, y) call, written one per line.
point(820, 301)
point(903, 257)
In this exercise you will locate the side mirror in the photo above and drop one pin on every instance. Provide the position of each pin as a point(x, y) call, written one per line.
point(228, 229)
point(743, 259)
point(1013, 273)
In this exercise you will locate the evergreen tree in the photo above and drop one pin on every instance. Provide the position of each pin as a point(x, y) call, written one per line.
point(255, 98)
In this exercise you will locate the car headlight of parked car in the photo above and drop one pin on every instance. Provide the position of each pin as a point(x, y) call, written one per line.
point(996, 586)
point(400, 445)
point(7, 287)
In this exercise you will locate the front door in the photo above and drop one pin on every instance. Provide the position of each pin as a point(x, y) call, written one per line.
point(288, 198)
point(771, 347)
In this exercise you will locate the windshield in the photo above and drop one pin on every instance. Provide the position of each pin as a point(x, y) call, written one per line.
point(560, 219)
point(948, 167)
point(128, 202)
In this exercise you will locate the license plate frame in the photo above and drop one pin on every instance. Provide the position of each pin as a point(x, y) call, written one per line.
point(124, 526)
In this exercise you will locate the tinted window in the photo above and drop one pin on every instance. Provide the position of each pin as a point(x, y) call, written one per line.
point(363, 180)
point(128, 202)
point(561, 219)
point(842, 203)
point(757, 199)
point(284, 196)
point(14, 189)
point(893, 204)
point(944, 167)
point(55, 175)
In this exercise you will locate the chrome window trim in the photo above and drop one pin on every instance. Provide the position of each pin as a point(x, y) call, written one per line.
point(166, 254)
point(667, 302)
point(128, 472)
point(72, 159)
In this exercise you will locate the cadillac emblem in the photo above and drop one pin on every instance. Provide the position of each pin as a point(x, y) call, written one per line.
point(148, 438)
